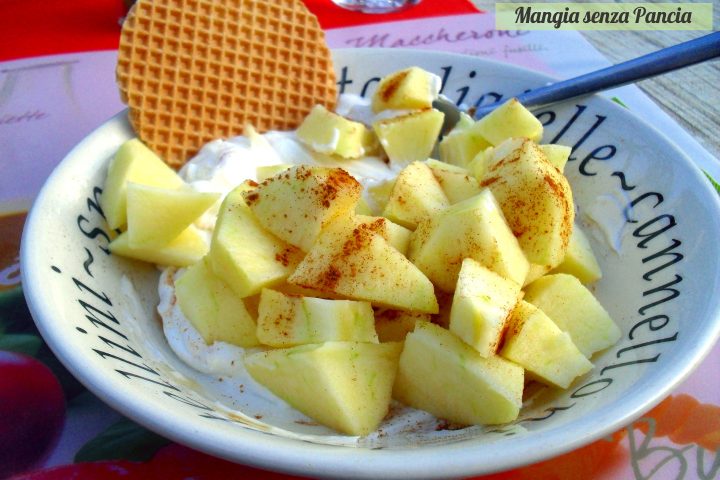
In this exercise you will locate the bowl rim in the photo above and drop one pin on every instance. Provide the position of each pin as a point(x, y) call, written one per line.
point(261, 450)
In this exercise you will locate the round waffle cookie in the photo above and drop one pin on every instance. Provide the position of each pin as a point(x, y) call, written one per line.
point(192, 71)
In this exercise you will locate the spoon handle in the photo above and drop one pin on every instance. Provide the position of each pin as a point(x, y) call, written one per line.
point(665, 60)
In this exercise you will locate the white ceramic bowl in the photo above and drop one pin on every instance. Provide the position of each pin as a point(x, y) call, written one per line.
point(658, 247)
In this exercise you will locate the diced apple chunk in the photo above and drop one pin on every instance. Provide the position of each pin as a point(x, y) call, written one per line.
point(289, 320)
point(184, 250)
point(580, 260)
point(357, 262)
point(409, 89)
point(263, 172)
point(442, 375)
point(394, 325)
point(328, 132)
point(536, 271)
point(158, 215)
point(213, 308)
point(575, 310)
point(343, 385)
point(535, 198)
point(481, 306)
point(460, 146)
point(535, 343)
point(245, 255)
point(396, 235)
point(416, 195)
point(510, 120)
point(296, 205)
point(133, 162)
point(557, 155)
point(411, 137)
point(457, 182)
point(474, 228)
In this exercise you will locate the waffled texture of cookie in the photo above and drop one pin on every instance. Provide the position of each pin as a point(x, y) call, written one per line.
point(192, 71)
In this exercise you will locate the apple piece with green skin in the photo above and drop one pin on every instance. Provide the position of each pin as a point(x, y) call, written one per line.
point(575, 310)
point(416, 195)
point(481, 306)
point(580, 260)
point(356, 262)
point(133, 162)
point(32, 408)
point(474, 228)
point(329, 133)
point(535, 198)
point(346, 386)
point(157, 215)
point(182, 251)
point(457, 182)
point(211, 306)
point(441, 374)
point(296, 204)
point(245, 255)
point(409, 89)
point(557, 155)
point(534, 342)
point(411, 137)
point(394, 325)
point(289, 320)
point(510, 120)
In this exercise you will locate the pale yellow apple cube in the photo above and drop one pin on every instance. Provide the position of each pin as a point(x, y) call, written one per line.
point(575, 310)
point(133, 162)
point(535, 343)
point(357, 262)
point(417, 194)
point(264, 172)
point(441, 374)
point(510, 120)
point(396, 235)
point(329, 133)
point(580, 261)
point(211, 306)
point(346, 386)
point(298, 203)
point(288, 320)
point(245, 255)
point(394, 325)
point(474, 228)
point(457, 182)
point(158, 215)
point(481, 307)
point(557, 155)
point(184, 250)
point(459, 147)
point(409, 89)
point(411, 137)
point(535, 198)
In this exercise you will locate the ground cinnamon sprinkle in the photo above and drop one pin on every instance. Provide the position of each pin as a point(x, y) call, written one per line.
point(389, 89)
point(252, 197)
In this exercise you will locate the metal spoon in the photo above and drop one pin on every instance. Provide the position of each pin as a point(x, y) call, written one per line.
point(662, 61)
